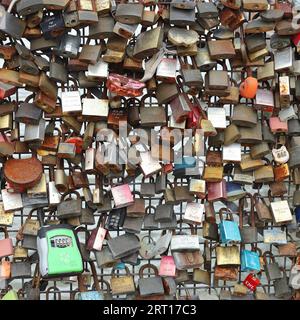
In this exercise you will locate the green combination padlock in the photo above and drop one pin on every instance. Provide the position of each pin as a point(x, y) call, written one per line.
point(58, 249)
point(10, 295)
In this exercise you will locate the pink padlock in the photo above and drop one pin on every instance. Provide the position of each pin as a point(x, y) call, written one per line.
point(276, 125)
point(216, 191)
point(122, 196)
point(167, 267)
point(6, 245)
point(97, 237)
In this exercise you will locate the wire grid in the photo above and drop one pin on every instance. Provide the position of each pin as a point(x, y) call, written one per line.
point(68, 288)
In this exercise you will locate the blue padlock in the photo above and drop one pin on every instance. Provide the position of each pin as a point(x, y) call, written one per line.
point(234, 191)
point(250, 261)
point(229, 229)
point(183, 164)
point(96, 292)
point(90, 295)
point(297, 214)
point(120, 266)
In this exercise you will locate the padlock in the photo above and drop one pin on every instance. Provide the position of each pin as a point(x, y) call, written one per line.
point(262, 210)
point(28, 113)
point(10, 24)
point(272, 269)
point(180, 17)
point(250, 260)
point(163, 212)
point(97, 236)
point(148, 43)
point(58, 70)
point(6, 244)
point(248, 88)
point(87, 12)
point(280, 210)
point(35, 133)
point(52, 26)
point(6, 218)
point(71, 102)
point(194, 212)
point(122, 196)
point(251, 282)
point(229, 230)
point(228, 256)
point(69, 46)
point(68, 208)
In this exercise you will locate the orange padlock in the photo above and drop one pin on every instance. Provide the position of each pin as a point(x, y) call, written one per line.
point(248, 88)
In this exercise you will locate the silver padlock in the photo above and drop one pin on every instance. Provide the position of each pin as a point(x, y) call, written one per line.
point(90, 160)
point(54, 195)
point(10, 24)
point(97, 71)
point(283, 59)
point(69, 46)
point(287, 114)
point(96, 109)
point(70, 100)
point(35, 133)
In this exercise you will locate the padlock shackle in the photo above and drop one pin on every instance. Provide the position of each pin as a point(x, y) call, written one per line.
point(151, 178)
point(148, 266)
point(4, 229)
point(241, 207)
point(70, 193)
point(145, 96)
point(227, 211)
point(192, 227)
point(94, 274)
point(11, 5)
point(255, 248)
point(137, 193)
point(149, 237)
point(270, 196)
point(114, 268)
point(82, 229)
point(133, 101)
point(148, 209)
point(36, 277)
point(56, 291)
point(40, 213)
point(30, 97)
point(270, 254)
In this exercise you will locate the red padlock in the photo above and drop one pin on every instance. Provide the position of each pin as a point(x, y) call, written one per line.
point(251, 282)
point(168, 168)
point(296, 39)
point(78, 143)
point(194, 118)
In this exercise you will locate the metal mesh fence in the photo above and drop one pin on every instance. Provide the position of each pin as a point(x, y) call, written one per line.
point(68, 287)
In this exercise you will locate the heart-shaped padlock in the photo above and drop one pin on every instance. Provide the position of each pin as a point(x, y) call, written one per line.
point(147, 247)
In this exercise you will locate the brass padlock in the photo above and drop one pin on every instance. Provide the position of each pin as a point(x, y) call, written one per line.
point(129, 13)
point(60, 178)
point(148, 43)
